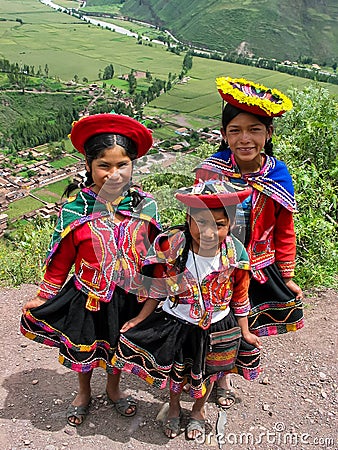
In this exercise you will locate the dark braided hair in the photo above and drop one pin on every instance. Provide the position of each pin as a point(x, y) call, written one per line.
point(94, 147)
point(181, 261)
point(230, 112)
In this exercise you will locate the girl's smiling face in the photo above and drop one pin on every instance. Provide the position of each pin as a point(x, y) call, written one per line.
point(111, 172)
point(246, 137)
point(208, 228)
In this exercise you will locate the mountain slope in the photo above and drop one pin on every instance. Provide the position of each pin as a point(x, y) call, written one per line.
point(264, 28)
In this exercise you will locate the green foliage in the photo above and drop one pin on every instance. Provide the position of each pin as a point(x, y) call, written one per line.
point(163, 182)
point(307, 141)
point(36, 119)
point(108, 72)
point(23, 251)
point(311, 127)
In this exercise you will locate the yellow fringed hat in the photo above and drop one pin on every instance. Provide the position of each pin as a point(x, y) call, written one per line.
point(252, 97)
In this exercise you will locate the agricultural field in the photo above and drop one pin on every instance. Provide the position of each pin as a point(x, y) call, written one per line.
point(22, 206)
point(63, 162)
point(53, 192)
point(198, 100)
point(69, 46)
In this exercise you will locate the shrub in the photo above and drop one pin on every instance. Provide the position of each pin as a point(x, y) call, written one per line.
point(23, 251)
point(307, 141)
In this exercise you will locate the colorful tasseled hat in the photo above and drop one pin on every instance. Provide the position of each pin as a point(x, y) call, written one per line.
point(252, 97)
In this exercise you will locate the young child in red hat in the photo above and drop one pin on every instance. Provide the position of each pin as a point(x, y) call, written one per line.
point(103, 233)
point(201, 272)
point(265, 221)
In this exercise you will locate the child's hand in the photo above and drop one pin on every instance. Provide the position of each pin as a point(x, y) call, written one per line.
point(252, 339)
point(130, 324)
point(294, 288)
point(37, 301)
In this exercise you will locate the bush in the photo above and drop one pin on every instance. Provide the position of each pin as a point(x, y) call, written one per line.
point(307, 141)
point(23, 251)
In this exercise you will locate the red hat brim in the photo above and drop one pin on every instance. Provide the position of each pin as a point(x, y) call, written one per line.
point(213, 201)
point(89, 126)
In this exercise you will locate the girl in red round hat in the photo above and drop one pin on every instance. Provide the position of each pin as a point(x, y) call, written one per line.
point(101, 237)
point(201, 272)
point(266, 217)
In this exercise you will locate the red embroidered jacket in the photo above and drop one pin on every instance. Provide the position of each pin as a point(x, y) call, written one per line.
point(272, 235)
point(104, 253)
point(225, 287)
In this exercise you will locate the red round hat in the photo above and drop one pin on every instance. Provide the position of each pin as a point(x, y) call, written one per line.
point(213, 194)
point(89, 126)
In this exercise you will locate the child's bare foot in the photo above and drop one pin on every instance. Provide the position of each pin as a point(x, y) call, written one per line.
point(186, 388)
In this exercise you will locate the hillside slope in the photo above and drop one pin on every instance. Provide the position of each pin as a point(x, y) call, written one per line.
point(270, 28)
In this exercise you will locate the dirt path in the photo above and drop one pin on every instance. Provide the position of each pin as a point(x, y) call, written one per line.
point(292, 406)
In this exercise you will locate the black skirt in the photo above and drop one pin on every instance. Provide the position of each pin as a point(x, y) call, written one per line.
point(163, 348)
point(86, 339)
point(274, 308)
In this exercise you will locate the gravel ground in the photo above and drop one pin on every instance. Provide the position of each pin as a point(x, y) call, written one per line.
point(292, 406)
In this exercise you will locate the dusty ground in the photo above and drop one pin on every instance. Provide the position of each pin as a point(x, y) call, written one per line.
point(292, 406)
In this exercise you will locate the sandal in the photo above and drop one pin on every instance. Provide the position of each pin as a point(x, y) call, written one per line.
point(195, 425)
point(222, 395)
point(173, 425)
point(78, 412)
point(123, 404)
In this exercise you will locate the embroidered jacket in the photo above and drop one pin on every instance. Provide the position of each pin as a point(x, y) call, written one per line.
point(225, 287)
point(104, 253)
point(272, 235)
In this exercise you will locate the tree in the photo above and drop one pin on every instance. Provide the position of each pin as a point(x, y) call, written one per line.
point(108, 72)
point(187, 62)
point(132, 82)
point(54, 152)
point(18, 78)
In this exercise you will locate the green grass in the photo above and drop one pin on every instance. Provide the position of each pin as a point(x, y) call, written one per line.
point(198, 99)
point(56, 188)
point(63, 162)
point(68, 46)
point(32, 106)
point(22, 206)
point(51, 194)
